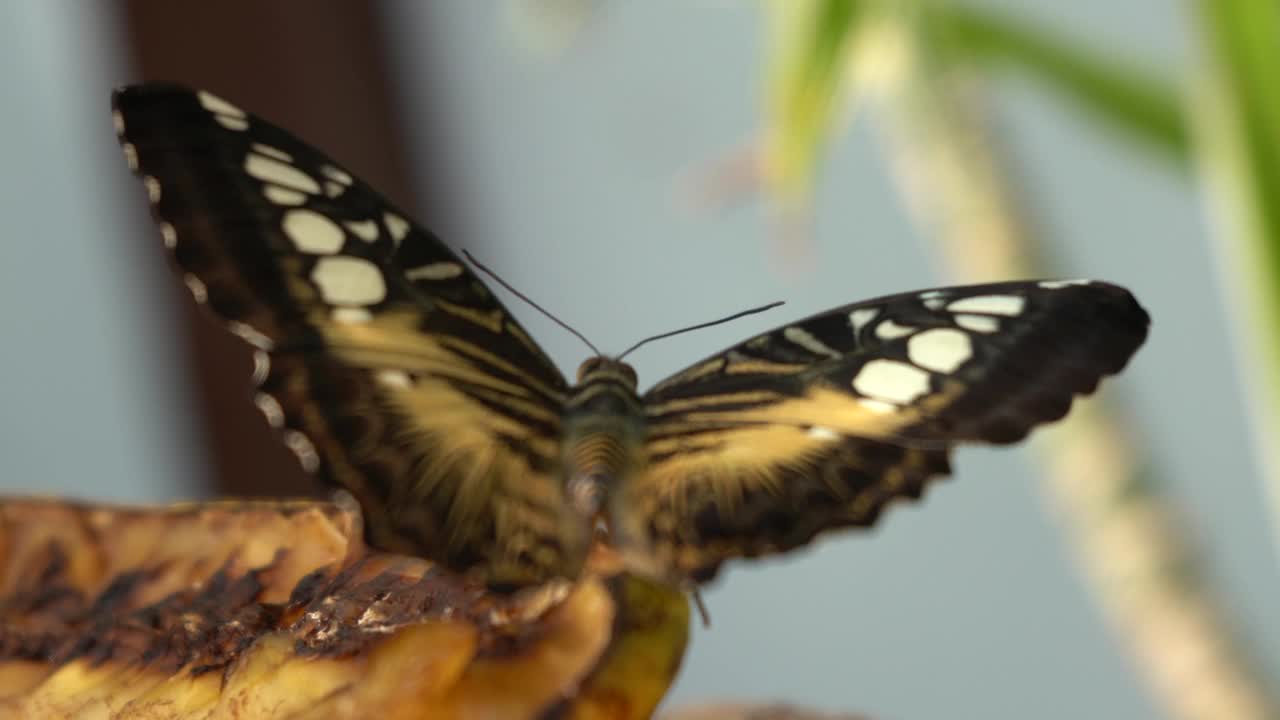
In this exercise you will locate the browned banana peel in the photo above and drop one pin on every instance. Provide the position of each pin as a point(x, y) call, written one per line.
point(277, 610)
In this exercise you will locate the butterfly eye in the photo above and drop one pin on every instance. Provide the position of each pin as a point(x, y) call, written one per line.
point(630, 372)
point(588, 366)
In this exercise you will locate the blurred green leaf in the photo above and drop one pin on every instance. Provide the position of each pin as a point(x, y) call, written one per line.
point(1135, 101)
point(810, 73)
point(1237, 107)
point(809, 41)
point(1242, 44)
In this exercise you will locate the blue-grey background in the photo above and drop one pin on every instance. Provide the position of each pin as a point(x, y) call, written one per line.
point(570, 168)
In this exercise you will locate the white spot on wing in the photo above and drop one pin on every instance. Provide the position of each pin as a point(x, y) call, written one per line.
point(366, 230)
point(1058, 284)
point(273, 171)
point(273, 152)
point(333, 189)
point(933, 299)
point(312, 232)
point(891, 381)
point(398, 379)
point(270, 409)
point(823, 433)
point(349, 281)
point(130, 155)
point(261, 367)
point(992, 304)
point(250, 335)
point(890, 330)
point(153, 189)
point(396, 225)
point(117, 121)
point(283, 195)
point(434, 271)
point(302, 447)
point(197, 288)
point(940, 349)
point(860, 317)
point(351, 316)
point(232, 123)
point(806, 340)
point(877, 406)
point(215, 104)
point(337, 174)
point(168, 235)
point(978, 323)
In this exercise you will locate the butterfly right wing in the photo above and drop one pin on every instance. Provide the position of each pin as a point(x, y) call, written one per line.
point(391, 369)
point(821, 423)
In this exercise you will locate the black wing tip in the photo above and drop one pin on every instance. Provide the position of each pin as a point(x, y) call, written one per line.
point(122, 94)
point(1116, 328)
point(1121, 322)
point(1089, 330)
point(1128, 322)
point(126, 97)
point(1125, 302)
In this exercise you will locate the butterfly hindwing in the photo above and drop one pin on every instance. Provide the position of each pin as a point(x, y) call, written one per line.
point(820, 423)
point(390, 368)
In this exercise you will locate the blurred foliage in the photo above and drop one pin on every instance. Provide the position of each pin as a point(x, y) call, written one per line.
point(550, 25)
point(806, 75)
point(923, 63)
point(805, 80)
point(1135, 101)
point(1235, 105)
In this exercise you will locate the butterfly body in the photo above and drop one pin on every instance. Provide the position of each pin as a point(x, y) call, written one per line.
point(396, 375)
point(604, 434)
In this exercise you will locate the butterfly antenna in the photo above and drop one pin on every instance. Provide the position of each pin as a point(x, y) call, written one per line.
point(699, 326)
point(702, 607)
point(531, 303)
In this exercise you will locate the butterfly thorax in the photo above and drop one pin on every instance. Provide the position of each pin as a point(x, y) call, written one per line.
point(603, 433)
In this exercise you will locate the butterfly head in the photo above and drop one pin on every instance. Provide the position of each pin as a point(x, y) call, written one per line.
point(605, 369)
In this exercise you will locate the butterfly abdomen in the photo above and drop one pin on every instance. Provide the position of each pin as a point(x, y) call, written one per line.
point(600, 453)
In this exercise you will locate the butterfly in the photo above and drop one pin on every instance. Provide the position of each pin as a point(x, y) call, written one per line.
point(394, 373)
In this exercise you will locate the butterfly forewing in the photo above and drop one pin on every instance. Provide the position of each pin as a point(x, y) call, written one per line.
point(820, 423)
point(391, 369)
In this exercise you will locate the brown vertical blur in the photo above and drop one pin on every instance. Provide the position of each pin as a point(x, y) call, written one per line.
point(318, 69)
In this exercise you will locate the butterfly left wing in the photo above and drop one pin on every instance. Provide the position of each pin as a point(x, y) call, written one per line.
point(821, 423)
point(389, 368)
